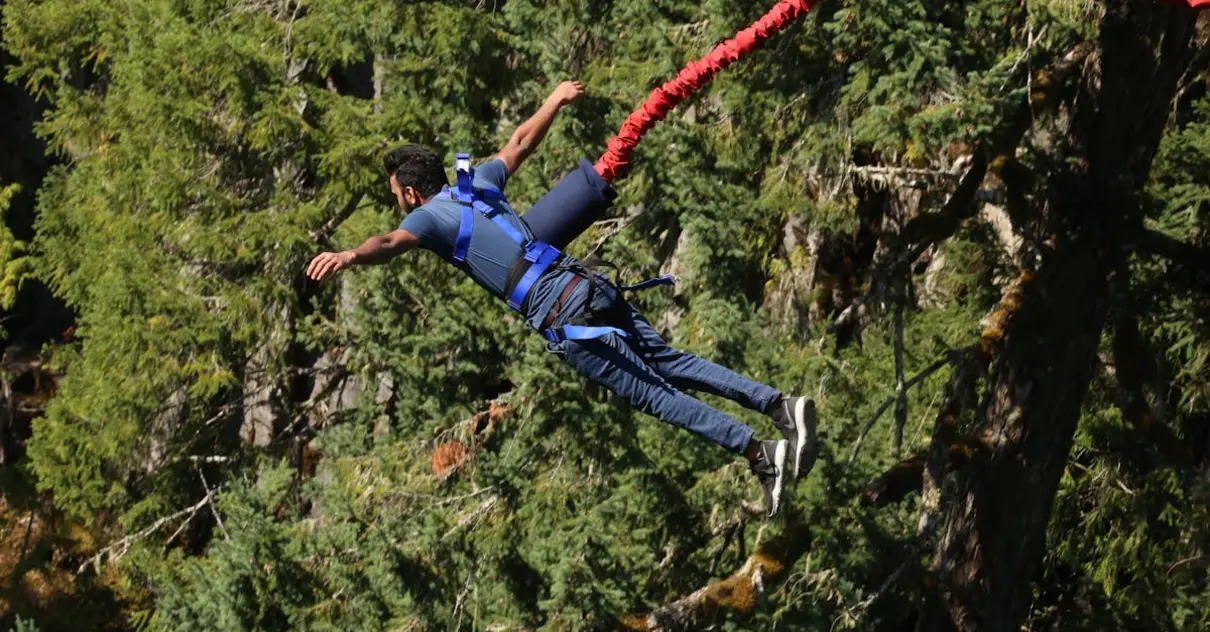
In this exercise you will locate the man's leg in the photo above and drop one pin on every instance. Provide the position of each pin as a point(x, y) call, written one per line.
point(794, 416)
point(689, 372)
point(610, 362)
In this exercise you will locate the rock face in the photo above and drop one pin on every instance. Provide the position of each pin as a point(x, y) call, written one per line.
point(25, 389)
point(791, 293)
point(263, 400)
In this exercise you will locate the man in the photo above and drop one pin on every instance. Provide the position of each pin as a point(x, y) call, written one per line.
point(620, 349)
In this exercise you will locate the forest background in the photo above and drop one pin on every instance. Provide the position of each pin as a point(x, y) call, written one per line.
point(975, 233)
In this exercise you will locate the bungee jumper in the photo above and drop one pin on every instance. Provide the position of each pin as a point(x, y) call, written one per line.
point(583, 316)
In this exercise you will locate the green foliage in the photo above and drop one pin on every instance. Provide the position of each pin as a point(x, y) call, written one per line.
point(210, 147)
point(24, 625)
point(15, 264)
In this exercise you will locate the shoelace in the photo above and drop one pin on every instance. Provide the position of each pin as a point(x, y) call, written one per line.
point(762, 469)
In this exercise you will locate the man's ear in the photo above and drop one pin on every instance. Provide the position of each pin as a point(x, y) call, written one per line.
point(412, 196)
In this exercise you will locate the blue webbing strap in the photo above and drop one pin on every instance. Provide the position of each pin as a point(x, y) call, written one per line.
point(667, 279)
point(466, 227)
point(508, 227)
point(463, 244)
point(580, 332)
point(541, 255)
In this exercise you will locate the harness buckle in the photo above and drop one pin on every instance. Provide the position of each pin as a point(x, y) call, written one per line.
point(466, 177)
point(535, 249)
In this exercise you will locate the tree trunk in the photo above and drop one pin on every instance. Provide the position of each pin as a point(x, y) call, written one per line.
point(995, 511)
point(997, 507)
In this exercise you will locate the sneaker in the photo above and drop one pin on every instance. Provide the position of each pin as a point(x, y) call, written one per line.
point(795, 417)
point(770, 469)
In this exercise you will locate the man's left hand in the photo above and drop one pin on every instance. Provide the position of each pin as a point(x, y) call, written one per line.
point(568, 92)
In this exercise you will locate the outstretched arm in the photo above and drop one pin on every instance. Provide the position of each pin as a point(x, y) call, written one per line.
point(525, 140)
point(377, 249)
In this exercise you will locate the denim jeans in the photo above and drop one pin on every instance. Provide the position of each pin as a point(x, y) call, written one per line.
point(652, 375)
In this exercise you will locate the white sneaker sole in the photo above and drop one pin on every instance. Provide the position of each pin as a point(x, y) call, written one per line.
point(779, 460)
point(800, 427)
point(804, 420)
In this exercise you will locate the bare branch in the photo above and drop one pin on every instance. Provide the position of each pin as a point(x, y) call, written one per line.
point(325, 232)
point(213, 511)
point(474, 515)
point(616, 225)
point(737, 593)
point(123, 546)
point(901, 402)
point(916, 379)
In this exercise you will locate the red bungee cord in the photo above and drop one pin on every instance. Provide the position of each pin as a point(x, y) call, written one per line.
point(699, 73)
point(690, 79)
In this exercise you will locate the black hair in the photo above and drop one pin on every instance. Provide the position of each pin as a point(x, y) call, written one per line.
point(418, 167)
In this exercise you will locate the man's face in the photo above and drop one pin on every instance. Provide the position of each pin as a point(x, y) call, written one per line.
point(398, 191)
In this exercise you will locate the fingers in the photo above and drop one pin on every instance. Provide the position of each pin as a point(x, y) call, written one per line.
point(571, 91)
point(317, 265)
point(323, 266)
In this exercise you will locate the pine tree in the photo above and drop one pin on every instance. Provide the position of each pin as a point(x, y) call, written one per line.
point(975, 233)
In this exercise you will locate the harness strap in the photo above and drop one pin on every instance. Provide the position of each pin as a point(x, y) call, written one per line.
point(539, 255)
point(466, 177)
point(473, 203)
point(542, 256)
point(593, 262)
point(463, 244)
point(667, 279)
point(580, 332)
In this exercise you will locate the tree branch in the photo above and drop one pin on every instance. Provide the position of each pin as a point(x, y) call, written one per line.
point(1190, 262)
point(901, 402)
point(948, 448)
point(927, 229)
point(325, 232)
point(916, 379)
point(1135, 368)
point(737, 593)
point(920, 234)
point(123, 545)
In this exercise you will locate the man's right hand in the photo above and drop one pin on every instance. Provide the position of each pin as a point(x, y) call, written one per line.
point(327, 264)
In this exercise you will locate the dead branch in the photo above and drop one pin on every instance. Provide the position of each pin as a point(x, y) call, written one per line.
point(737, 593)
point(901, 402)
point(473, 516)
point(123, 546)
point(920, 234)
point(916, 379)
point(927, 229)
point(615, 225)
point(325, 232)
point(948, 448)
point(213, 510)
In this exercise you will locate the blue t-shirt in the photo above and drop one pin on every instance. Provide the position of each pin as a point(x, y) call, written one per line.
point(491, 252)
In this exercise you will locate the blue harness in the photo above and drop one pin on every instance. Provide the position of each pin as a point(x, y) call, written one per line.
point(540, 256)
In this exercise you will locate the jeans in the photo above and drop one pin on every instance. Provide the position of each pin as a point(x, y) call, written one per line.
point(652, 375)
